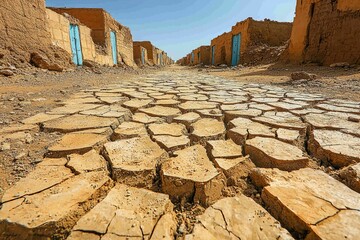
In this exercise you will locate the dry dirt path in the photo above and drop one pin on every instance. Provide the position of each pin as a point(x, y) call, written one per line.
point(183, 155)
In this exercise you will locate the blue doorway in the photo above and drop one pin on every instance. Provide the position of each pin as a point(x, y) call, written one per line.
point(236, 43)
point(213, 55)
point(143, 56)
point(76, 45)
point(113, 46)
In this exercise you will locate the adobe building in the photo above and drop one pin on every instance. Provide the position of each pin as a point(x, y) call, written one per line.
point(113, 41)
point(188, 59)
point(140, 55)
point(231, 48)
point(221, 49)
point(202, 55)
point(159, 56)
point(151, 51)
point(325, 32)
point(165, 59)
point(24, 36)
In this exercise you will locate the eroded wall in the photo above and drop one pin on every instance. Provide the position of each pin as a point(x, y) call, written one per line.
point(23, 31)
point(93, 18)
point(101, 24)
point(204, 53)
point(151, 51)
point(325, 32)
point(222, 45)
point(124, 40)
point(138, 49)
point(271, 33)
point(58, 26)
point(265, 33)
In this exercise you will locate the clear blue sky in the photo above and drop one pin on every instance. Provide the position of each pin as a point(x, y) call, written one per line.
point(179, 26)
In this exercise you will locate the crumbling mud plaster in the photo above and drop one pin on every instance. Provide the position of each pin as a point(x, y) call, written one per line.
point(101, 24)
point(253, 33)
point(325, 32)
point(140, 55)
point(222, 46)
point(23, 31)
point(202, 55)
point(150, 51)
point(59, 27)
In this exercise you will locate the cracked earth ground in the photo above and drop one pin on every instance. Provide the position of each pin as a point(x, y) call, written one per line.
point(179, 155)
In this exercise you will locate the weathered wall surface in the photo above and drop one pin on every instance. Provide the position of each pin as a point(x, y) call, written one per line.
point(124, 40)
point(253, 34)
point(89, 49)
point(325, 32)
point(101, 23)
point(138, 49)
point(23, 31)
point(58, 26)
point(159, 56)
point(151, 52)
point(222, 45)
point(256, 34)
point(269, 32)
point(204, 53)
point(243, 29)
point(188, 59)
point(93, 18)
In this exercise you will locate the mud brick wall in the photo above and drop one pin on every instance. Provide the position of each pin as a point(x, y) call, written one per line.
point(124, 40)
point(166, 59)
point(183, 61)
point(101, 23)
point(159, 54)
point(137, 54)
point(89, 49)
point(258, 33)
point(243, 29)
point(23, 31)
point(222, 45)
point(150, 50)
point(325, 32)
point(268, 32)
point(93, 18)
point(204, 52)
point(58, 26)
point(188, 59)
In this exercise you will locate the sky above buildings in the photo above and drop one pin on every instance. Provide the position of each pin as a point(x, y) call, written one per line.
point(179, 26)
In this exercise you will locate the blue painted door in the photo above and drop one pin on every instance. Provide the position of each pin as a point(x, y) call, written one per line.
point(213, 55)
point(236, 42)
point(113, 46)
point(192, 57)
point(199, 57)
point(143, 56)
point(76, 44)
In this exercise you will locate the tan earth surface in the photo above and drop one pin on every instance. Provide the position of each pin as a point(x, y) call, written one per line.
point(178, 153)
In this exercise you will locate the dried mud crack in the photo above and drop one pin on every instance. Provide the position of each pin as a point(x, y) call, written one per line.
point(184, 155)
